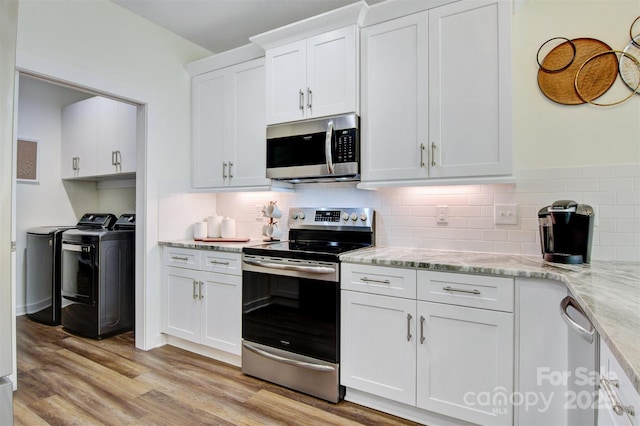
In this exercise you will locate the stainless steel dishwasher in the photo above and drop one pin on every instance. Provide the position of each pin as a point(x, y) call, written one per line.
point(583, 365)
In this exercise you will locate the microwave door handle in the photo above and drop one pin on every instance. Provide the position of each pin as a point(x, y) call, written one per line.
point(327, 147)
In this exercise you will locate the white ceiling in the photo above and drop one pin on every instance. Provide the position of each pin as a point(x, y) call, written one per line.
point(219, 25)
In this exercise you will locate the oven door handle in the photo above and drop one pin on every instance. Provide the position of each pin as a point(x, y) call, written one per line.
point(294, 362)
point(299, 268)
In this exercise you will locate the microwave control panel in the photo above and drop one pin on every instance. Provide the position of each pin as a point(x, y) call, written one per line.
point(346, 146)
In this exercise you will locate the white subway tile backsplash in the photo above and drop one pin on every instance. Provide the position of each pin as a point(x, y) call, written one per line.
point(407, 216)
point(616, 184)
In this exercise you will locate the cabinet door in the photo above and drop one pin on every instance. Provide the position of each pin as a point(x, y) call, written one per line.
point(394, 99)
point(181, 304)
point(465, 362)
point(247, 146)
point(80, 138)
point(116, 137)
point(222, 312)
point(127, 118)
point(378, 348)
point(209, 129)
point(331, 73)
point(286, 82)
point(470, 89)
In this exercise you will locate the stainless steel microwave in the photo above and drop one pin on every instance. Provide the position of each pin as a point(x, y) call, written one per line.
point(319, 150)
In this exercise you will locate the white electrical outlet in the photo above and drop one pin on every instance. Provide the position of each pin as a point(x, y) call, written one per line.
point(505, 214)
point(442, 213)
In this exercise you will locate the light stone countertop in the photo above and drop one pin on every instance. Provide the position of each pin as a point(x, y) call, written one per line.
point(215, 246)
point(609, 292)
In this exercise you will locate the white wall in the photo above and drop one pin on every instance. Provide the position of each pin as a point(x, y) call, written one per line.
point(550, 135)
point(99, 45)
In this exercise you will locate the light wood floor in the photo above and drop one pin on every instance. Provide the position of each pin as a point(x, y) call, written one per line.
point(64, 379)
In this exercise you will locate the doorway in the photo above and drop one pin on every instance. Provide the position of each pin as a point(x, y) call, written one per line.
point(45, 198)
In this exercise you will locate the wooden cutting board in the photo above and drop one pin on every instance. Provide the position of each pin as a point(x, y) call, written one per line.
point(595, 78)
point(225, 240)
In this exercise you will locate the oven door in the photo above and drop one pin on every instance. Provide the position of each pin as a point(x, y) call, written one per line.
point(292, 306)
point(79, 272)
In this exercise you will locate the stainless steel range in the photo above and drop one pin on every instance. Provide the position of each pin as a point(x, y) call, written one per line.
point(291, 299)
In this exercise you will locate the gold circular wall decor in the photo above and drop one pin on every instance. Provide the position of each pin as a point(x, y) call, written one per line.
point(595, 58)
point(556, 67)
point(594, 81)
point(635, 36)
point(629, 72)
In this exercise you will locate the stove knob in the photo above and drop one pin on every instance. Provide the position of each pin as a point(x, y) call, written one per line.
point(345, 216)
point(354, 216)
point(301, 215)
point(294, 215)
point(363, 217)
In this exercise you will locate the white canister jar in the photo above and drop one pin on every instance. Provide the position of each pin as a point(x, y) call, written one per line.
point(199, 230)
point(228, 228)
point(213, 226)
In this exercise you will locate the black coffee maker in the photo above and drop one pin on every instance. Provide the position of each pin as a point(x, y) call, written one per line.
point(566, 231)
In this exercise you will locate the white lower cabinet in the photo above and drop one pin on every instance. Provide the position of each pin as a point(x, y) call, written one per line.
point(447, 359)
point(377, 357)
point(201, 306)
point(465, 362)
point(619, 401)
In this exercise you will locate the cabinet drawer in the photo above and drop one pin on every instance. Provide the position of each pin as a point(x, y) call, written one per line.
point(225, 263)
point(382, 280)
point(182, 258)
point(476, 291)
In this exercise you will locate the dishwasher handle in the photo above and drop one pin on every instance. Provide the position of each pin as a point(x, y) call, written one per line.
point(567, 302)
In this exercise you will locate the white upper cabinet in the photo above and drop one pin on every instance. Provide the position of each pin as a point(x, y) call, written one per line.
point(98, 138)
point(313, 77)
point(436, 95)
point(229, 127)
point(394, 99)
point(470, 89)
point(116, 137)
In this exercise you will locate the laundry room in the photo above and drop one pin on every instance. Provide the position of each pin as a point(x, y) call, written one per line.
point(44, 195)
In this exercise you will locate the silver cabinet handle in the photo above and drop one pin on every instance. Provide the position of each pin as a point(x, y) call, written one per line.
point(433, 154)
point(75, 165)
point(460, 290)
point(309, 98)
point(200, 295)
point(616, 404)
point(421, 155)
point(409, 327)
point(217, 262)
point(583, 332)
point(422, 339)
point(224, 170)
point(301, 100)
point(114, 161)
point(193, 290)
point(184, 259)
point(327, 147)
point(119, 160)
point(295, 362)
point(371, 280)
point(230, 171)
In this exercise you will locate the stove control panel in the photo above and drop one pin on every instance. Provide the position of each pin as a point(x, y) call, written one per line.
point(301, 217)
